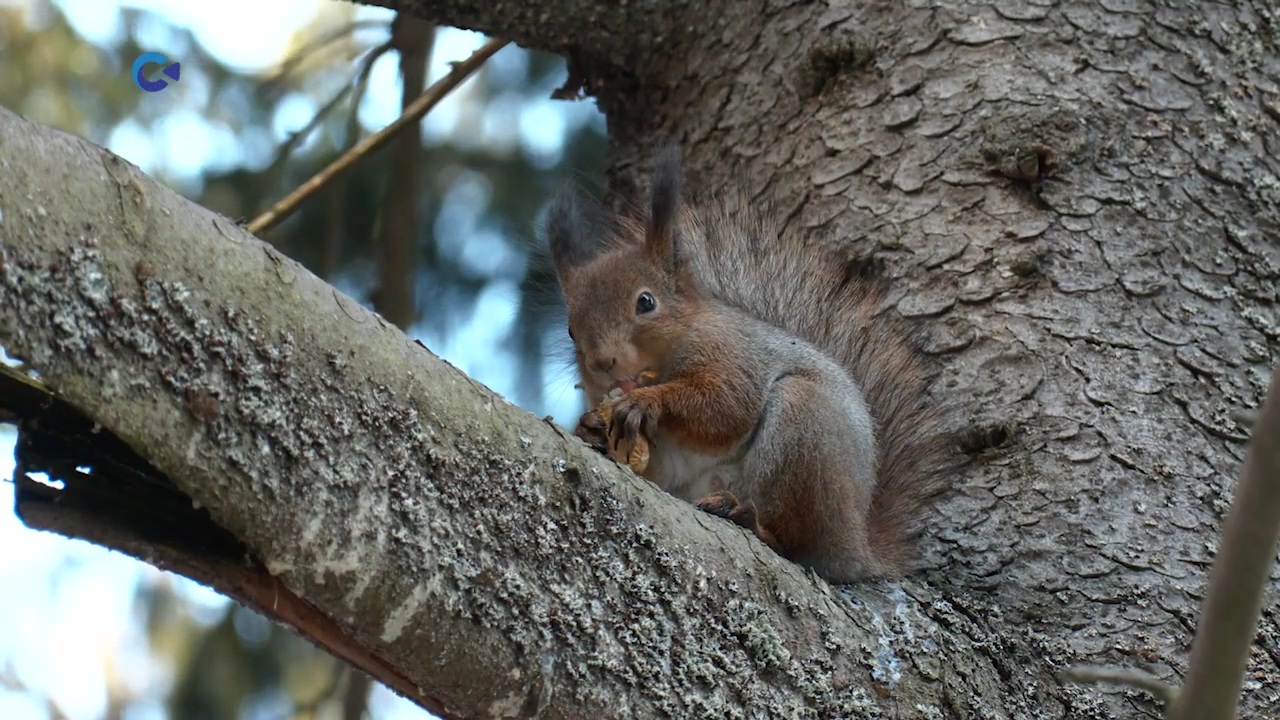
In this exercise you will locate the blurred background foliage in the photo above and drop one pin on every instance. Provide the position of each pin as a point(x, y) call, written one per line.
point(433, 231)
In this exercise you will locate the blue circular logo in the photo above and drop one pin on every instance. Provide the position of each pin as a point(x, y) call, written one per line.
point(154, 58)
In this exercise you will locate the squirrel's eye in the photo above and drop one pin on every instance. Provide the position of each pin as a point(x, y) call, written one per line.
point(571, 337)
point(645, 304)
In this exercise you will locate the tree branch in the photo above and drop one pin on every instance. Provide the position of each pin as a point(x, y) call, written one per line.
point(410, 118)
point(478, 552)
point(112, 497)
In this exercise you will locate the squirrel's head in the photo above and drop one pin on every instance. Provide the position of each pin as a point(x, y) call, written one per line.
point(623, 281)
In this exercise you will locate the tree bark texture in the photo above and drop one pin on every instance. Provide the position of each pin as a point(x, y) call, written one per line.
point(1080, 199)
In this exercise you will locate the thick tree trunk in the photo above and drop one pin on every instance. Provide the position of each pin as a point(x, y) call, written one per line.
point(1079, 198)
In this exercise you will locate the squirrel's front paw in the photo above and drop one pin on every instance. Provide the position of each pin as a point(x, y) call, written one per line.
point(599, 433)
point(593, 430)
point(634, 418)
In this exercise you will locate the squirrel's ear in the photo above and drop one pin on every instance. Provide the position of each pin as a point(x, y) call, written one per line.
point(569, 234)
point(664, 203)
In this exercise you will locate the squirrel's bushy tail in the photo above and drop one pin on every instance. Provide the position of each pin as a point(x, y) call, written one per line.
point(743, 258)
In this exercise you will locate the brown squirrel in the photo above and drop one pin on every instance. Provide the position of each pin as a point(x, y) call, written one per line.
point(779, 397)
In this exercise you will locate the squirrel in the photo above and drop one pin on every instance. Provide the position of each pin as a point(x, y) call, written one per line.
point(756, 373)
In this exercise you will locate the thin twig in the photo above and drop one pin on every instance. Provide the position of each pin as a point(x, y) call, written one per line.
point(362, 77)
point(285, 151)
point(292, 62)
point(1229, 617)
point(335, 225)
point(420, 107)
point(1123, 676)
point(361, 84)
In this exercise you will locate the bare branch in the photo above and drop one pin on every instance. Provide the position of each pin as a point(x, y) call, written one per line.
point(1229, 617)
point(313, 48)
point(409, 119)
point(285, 151)
point(1123, 676)
point(112, 497)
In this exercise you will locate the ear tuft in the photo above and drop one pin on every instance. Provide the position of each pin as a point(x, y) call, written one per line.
point(664, 204)
point(664, 209)
point(570, 236)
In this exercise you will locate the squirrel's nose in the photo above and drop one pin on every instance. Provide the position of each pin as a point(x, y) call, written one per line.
point(605, 366)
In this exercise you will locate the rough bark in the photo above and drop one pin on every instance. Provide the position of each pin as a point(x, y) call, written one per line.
point(1082, 198)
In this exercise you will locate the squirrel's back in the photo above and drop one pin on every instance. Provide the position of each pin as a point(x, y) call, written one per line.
point(742, 257)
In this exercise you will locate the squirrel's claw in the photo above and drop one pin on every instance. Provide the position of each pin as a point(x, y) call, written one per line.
point(624, 436)
point(631, 419)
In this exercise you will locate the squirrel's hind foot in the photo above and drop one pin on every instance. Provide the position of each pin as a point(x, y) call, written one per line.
point(725, 504)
